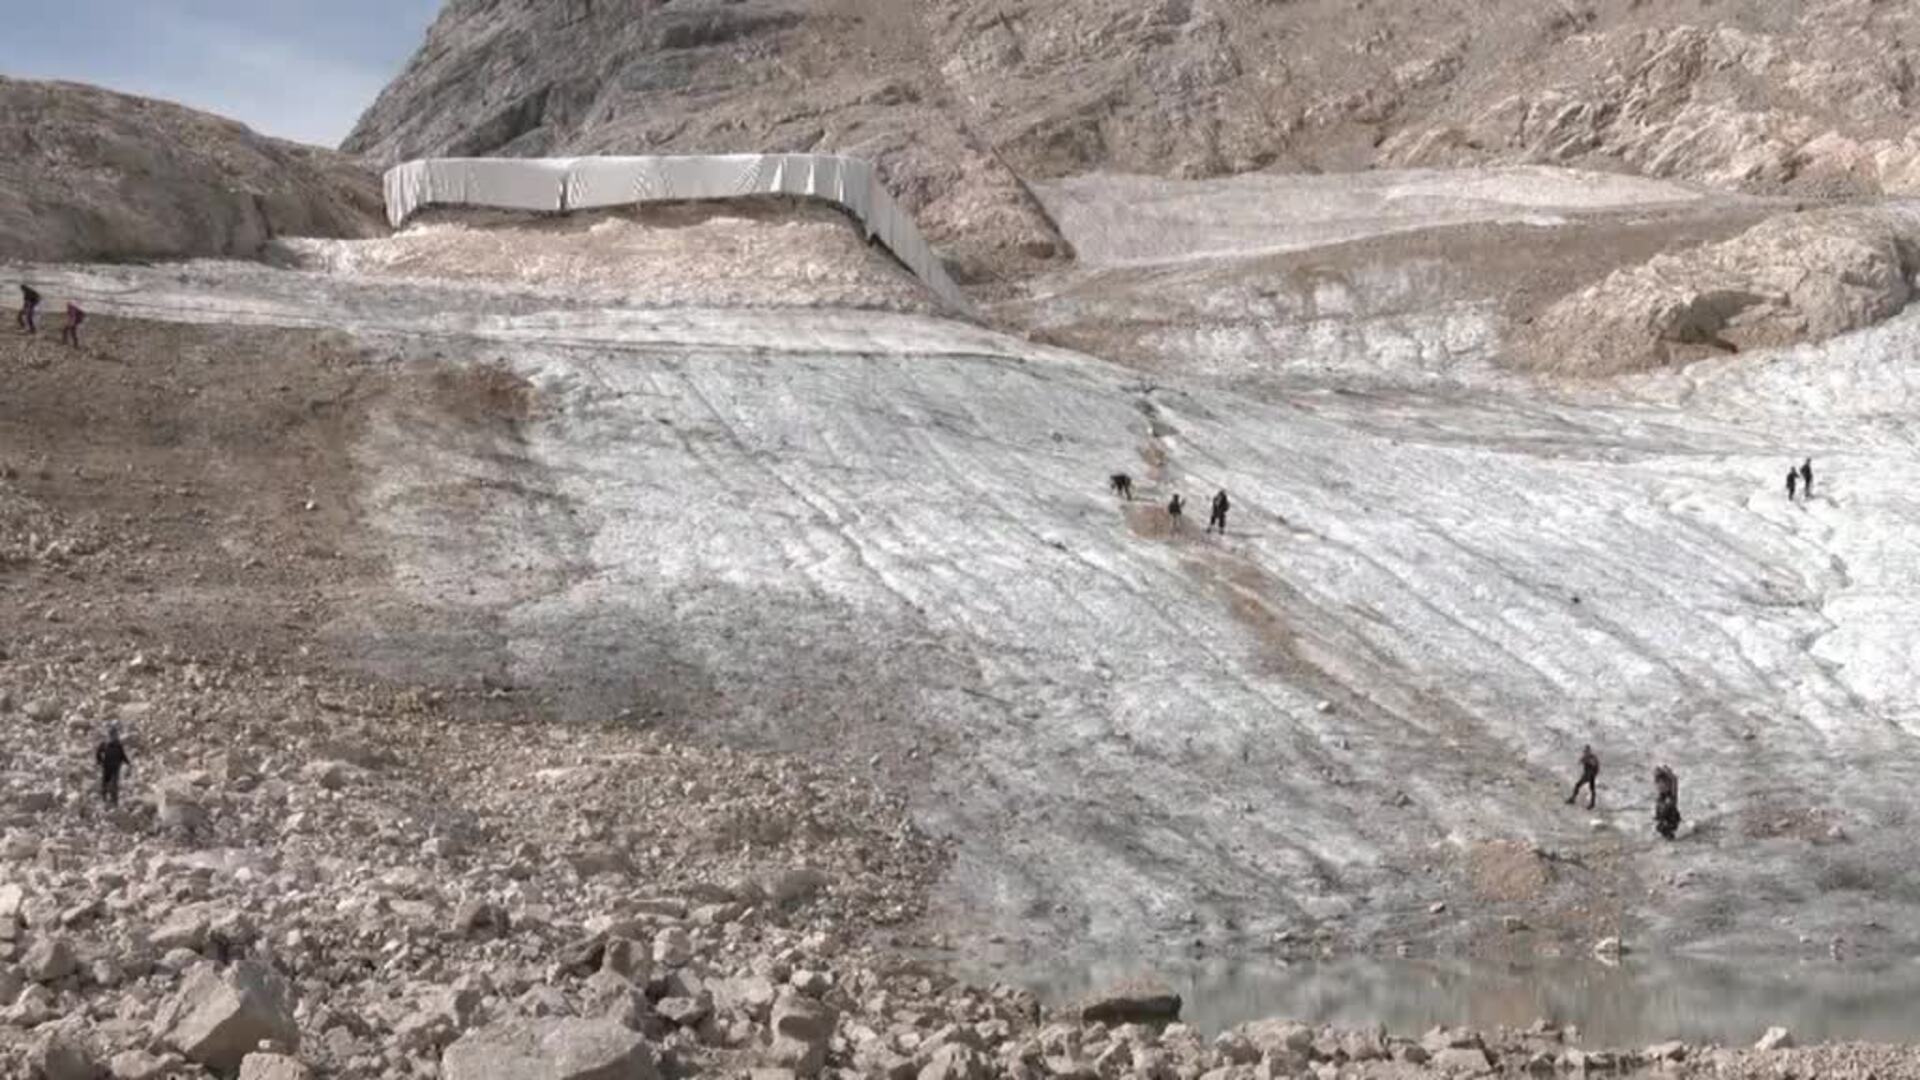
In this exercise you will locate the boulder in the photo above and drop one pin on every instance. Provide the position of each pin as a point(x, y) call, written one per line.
point(187, 929)
point(956, 1062)
point(139, 1065)
point(479, 918)
point(13, 902)
point(795, 886)
point(752, 996)
point(550, 1050)
point(218, 1018)
point(328, 775)
point(802, 1030)
point(1776, 1038)
point(682, 1011)
point(273, 1067)
point(1141, 1001)
point(626, 958)
point(180, 807)
point(62, 1055)
point(1666, 1051)
point(1462, 1059)
point(1275, 1037)
point(672, 948)
point(49, 959)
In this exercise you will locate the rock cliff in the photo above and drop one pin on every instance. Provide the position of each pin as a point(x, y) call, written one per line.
point(90, 174)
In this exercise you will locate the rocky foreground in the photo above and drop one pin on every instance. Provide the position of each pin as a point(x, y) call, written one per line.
point(314, 879)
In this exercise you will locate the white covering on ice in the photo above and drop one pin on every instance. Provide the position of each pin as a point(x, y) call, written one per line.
point(553, 185)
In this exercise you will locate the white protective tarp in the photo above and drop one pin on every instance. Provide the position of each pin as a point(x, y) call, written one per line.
point(560, 184)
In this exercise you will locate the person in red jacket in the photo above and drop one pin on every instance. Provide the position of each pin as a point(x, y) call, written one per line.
point(70, 333)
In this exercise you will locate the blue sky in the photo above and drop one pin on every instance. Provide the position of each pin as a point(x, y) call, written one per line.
point(299, 69)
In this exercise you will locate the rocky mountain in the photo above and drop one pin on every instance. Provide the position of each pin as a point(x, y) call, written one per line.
point(962, 101)
point(86, 173)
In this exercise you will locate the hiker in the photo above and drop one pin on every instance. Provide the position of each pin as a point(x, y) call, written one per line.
point(1589, 771)
point(1666, 802)
point(1217, 518)
point(111, 756)
point(1793, 482)
point(1806, 479)
point(1122, 485)
point(29, 304)
point(1174, 506)
point(70, 333)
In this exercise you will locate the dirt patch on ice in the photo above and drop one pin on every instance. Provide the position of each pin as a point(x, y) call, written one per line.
point(1508, 871)
point(743, 253)
point(487, 394)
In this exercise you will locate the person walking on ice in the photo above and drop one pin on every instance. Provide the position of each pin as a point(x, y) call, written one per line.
point(1217, 518)
point(1589, 772)
point(1666, 802)
point(29, 305)
point(1793, 483)
point(1122, 485)
point(70, 333)
point(1174, 506)
point(1806, 480)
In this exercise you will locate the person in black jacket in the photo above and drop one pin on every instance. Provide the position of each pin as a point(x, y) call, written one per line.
point(1217, 519)
point(1174, 506)
point(29, 304)
point(1806, 479)
point(1666, 802)
point(111, 756)
point(1589, 771)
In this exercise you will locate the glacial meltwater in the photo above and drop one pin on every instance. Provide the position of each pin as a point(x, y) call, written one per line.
point(1641, 1000)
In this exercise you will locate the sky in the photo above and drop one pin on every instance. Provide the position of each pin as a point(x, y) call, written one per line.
point(299, 69)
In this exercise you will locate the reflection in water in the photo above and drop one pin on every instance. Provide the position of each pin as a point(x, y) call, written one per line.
point(1644, 1000)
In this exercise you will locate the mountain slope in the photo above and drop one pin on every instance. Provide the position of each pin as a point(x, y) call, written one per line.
point(963, 100)
point(87, 173)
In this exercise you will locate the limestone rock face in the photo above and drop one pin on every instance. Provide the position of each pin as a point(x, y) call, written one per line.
point(87, 174)
point(1792, 278)
point(1811, 96)
point(962, 101)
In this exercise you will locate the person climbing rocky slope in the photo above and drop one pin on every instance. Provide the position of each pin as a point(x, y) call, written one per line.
point(87, 173)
